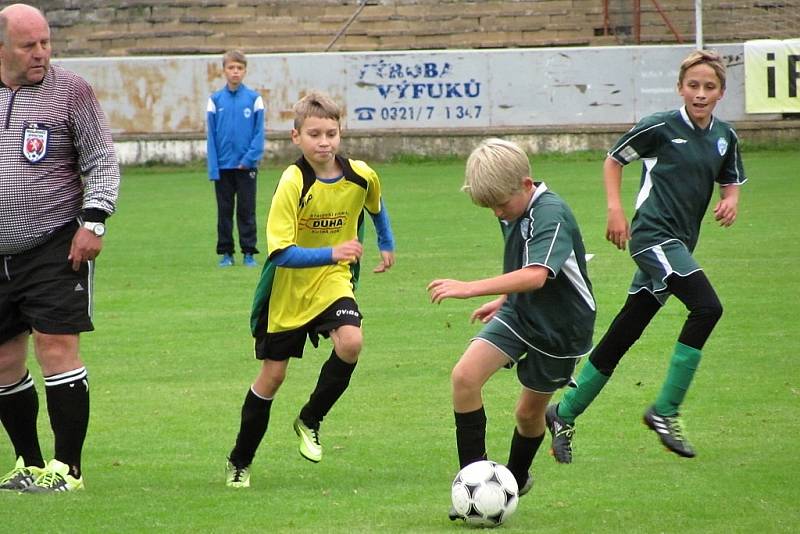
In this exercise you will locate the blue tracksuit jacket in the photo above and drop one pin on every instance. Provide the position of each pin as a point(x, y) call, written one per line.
point(235, 129)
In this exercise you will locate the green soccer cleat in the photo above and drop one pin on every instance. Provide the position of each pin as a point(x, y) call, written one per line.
point(237, 477)
point(562, 432)
point(55, 478)
point(310, 448)
point(20, 477)
point(669, 429)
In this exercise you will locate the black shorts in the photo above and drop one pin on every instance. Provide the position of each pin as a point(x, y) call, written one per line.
point(281, 346)
point(39, 290)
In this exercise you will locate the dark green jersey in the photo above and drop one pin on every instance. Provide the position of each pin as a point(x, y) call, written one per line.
point(557, 319)
point(680, 164)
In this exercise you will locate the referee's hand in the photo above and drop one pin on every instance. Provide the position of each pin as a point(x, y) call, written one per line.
point(85, 247)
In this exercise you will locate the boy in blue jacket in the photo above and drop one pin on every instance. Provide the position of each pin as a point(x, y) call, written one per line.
point(235, 117)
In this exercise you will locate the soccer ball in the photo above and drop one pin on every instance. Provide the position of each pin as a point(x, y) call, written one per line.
point(485, 493)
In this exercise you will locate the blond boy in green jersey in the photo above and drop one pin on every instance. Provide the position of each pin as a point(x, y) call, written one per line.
point(543, 318)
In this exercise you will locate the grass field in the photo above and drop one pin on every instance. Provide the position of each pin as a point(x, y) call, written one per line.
point(171, 360)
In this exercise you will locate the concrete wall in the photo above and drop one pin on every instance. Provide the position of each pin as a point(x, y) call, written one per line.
point(431, 102)
point(169, 27)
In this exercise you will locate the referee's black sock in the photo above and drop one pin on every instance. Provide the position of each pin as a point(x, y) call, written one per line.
point(471, 436)
point(68, 405)
point(19, 408)
point(334, 377)
point(253, 426)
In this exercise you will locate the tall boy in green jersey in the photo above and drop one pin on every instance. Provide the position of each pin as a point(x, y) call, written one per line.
point(683, 152)
point(314, 234)
point(544, 317)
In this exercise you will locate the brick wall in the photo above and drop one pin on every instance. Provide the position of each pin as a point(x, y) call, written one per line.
point(138, 27)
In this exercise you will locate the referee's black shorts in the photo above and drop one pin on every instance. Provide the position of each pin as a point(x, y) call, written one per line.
point(39, 290)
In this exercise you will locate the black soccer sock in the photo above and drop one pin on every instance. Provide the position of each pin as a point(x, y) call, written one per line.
point(334, 377)
point(19, 408)
point(520, 456)
point(255, 420)
point(68, 406)
point(471, 436)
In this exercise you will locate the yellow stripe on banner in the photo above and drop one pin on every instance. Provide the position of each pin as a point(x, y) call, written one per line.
point(772, 76)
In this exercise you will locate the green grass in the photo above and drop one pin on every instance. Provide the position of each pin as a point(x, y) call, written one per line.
point(171, 360)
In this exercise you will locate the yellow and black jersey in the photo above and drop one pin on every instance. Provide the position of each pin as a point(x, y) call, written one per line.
point(312, 213)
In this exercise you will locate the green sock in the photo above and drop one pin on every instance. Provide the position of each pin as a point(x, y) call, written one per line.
point(682, 367)
point(575, 401)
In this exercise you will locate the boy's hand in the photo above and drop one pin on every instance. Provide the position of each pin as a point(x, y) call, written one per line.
point(349, 251)
point(725, 211)
point(485, 313)
point(617, 230)
point(387, 260)
point(445, 288)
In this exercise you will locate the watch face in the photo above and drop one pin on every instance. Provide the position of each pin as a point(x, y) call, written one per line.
point(97, 229)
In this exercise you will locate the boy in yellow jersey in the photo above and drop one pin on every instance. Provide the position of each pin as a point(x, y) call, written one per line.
point(314, 243)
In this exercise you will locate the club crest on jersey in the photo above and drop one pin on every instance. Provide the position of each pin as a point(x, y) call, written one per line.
point(524, 228)
point(34, 142)
point(722, 146)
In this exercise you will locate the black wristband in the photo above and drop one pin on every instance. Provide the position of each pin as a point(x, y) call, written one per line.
point(94, 215)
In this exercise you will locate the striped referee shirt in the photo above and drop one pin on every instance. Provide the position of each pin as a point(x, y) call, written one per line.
point(56, 158)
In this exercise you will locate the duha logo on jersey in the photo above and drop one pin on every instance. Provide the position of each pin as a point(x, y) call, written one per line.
point(327, 223)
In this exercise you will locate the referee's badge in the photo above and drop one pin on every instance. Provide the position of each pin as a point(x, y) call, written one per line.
point(722, 146)
point(34, 142)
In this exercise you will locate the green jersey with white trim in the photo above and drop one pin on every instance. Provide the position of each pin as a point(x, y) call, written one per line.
point(680, 163)
point(558, 318)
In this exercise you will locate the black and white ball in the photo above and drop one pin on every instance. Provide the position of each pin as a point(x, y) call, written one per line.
point(485, 493)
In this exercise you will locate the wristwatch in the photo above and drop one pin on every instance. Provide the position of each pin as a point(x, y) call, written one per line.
point(97, 228)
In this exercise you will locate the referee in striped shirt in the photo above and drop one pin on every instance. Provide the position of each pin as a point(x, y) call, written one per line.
point(59, 180)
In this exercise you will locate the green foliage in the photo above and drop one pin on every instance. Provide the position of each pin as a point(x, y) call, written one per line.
point(171, 360)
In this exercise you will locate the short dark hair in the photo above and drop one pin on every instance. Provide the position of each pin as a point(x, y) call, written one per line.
point(315, 104)
point(234, 55)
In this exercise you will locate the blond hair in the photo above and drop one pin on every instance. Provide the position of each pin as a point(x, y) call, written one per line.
point(703, 57)
point(495, 171)
point(234, 55)
point(315, 104)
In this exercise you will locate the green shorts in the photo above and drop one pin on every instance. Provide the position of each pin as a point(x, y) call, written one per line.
point(536, 370)
point(657, 263)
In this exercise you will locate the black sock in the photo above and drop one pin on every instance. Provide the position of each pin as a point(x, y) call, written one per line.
point(471, 436)
point(255, 420)
point(68, 405)
point(19, 408)
point(334, 377)
point(520, 456)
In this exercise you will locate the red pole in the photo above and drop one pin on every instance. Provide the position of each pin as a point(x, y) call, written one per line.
point(667, 21)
